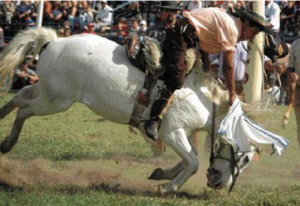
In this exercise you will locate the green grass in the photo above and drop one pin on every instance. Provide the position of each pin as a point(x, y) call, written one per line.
point(79, 158)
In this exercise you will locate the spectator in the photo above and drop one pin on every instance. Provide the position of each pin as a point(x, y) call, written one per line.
point(65, 31)
point(134, 28)
point(23, 9)
point(89, 29)
point(104, 15)
point(120, 32)
point(272, 13)
point(287, 18)
point(77, 22)
point(197, 4)
point(241, 5)
point(240, 64)
point(88, 13)
point(9, 10)
point(29, 22)
point(134, 10)
point(2, 43)
point(143, 28)
point(48, 9)
point(24, 76)
point(282, 4)
point(57, 13)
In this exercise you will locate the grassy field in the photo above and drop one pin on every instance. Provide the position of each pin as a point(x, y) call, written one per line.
point(79, 158)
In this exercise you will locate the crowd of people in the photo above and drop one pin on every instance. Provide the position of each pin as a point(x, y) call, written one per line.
point(80, 16)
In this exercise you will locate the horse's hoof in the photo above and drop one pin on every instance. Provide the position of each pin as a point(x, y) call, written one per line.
point(161, 190)
point(4, 147)
point(165, 189)
point(157, 174)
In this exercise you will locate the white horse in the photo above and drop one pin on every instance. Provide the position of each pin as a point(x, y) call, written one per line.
point(96, 72)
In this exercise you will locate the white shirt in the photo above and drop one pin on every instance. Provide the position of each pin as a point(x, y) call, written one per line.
point(294, 58)
point(272, 13)
point(105, 14)
point(240, 61)
point(195, 5)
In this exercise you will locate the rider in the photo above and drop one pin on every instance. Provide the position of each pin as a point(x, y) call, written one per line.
point(217, 31)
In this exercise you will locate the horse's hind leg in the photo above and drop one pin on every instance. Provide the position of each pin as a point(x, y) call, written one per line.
point(30, 103)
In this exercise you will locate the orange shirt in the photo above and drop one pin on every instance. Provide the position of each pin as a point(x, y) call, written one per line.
point(217, 30)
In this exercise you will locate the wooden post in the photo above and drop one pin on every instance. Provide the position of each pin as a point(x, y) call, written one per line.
point(255, 67)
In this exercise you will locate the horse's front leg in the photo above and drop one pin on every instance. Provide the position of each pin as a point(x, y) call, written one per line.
point(179, 142)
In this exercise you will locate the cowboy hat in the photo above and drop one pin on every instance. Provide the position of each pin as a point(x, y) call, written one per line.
point(259, 20)
point(171, 5)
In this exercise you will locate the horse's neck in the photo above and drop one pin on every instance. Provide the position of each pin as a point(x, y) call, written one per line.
point(208, 91)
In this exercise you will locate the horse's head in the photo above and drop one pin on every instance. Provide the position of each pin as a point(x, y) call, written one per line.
point(227, 164)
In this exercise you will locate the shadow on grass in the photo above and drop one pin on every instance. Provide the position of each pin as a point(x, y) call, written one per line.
point(109, 190)
point(132, 192)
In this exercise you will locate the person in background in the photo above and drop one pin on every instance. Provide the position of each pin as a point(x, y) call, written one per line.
point(104, 15)
point(134, 29)
point(197, 4)
point(287, 18)
point(240, 64)
point(143, 28)
point(119, 32)
point(29, 22)
point(89, 29)
point(2, 43)
point(9, 10)
point(24, 76)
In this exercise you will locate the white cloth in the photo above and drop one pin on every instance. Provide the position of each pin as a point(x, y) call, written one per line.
point(240, 131)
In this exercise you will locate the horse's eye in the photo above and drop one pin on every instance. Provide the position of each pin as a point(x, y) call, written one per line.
point(246, 160)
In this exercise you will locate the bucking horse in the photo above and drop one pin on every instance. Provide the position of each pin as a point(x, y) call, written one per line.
point(96, 72)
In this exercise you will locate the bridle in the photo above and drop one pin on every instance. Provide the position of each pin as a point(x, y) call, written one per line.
point(217, 155)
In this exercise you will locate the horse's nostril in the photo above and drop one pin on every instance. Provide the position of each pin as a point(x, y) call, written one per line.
point(212, 174)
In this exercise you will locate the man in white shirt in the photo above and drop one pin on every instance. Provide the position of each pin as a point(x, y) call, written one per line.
point(104, 15)
point(198, 4)
point(272, 13)
point(240, 64)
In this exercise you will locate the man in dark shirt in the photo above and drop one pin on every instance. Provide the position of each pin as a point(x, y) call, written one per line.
point(173, 62)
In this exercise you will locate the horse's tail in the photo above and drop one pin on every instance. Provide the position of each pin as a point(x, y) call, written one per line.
point(28, 42)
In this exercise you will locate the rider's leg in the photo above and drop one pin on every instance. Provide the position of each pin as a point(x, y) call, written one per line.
point(174, 55)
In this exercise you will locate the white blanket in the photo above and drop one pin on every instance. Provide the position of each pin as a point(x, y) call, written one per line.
point(239, 130)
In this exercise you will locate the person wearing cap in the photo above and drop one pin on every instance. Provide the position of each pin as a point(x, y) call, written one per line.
point(143, 28)
point(89, 29)
point(217, 31)
point(104, 15)
point(173, 62)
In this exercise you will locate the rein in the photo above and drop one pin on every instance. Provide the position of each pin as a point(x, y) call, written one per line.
point(214, 155)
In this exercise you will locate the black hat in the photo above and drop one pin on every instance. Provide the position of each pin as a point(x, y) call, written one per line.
point(171, 5)
point(254, 17)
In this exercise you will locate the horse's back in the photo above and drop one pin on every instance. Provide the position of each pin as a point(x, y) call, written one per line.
point(91, 70)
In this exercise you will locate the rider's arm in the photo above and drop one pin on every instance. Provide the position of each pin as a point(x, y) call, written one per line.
point(228, 72)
